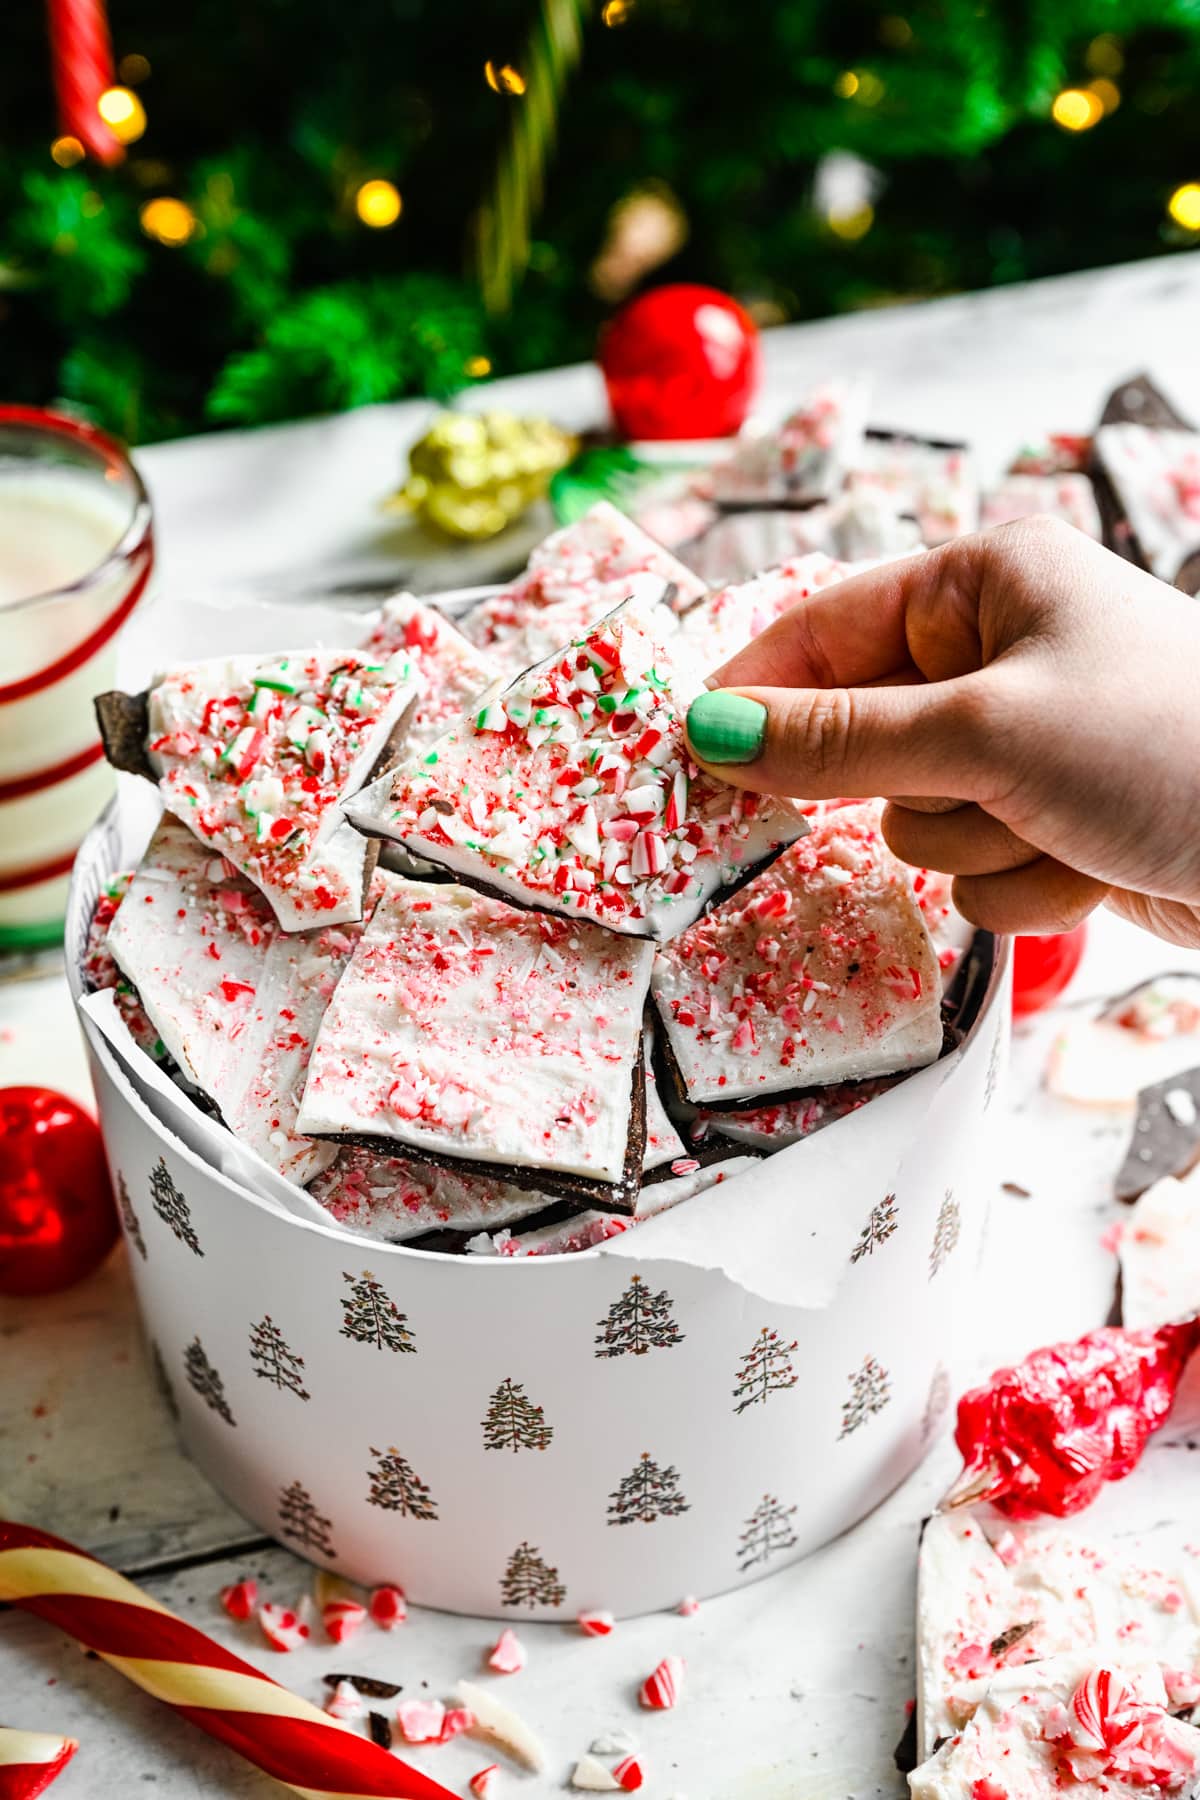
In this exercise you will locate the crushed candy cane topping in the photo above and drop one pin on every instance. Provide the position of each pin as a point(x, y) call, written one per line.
point(573, 790)
point(661, 1691)
point(447, 670)
point(388, 1607)
point(507, 1655)
point(342, 1618)
point(485, 1782)
point(255, 757)
point(240, 1599)
point(727, 620)
point(596, 1624)
point(820, 970)
point(282, 1627)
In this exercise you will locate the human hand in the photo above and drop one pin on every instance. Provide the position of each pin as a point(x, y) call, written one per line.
point(1045, 691)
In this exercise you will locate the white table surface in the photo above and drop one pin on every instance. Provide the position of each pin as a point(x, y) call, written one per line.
point(796, 1687)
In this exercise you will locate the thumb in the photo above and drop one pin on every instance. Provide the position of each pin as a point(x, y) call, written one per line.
point(827, 743)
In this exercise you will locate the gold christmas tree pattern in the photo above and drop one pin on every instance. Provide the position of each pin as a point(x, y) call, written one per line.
point(765, 1369)
point(529, 1580)
point(371, 1317)
point(637, 1322)
point(647, 1493)
point(300, 1521)
point(205, 1381)
point(395, 1486)
point(870, 1392)
point(171, 1206)
point(129, 1217)
point(880, 1226)
point(766, 1533)
point(274, 1360)
point(513, 1422)
point(946, 1233)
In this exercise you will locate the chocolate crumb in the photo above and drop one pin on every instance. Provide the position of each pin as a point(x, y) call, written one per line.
point(380, 1729)
point(369, 1685)
point(1001, 1645)
point(1016, 1190)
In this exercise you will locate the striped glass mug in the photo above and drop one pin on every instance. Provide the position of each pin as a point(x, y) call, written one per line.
point(76, 551)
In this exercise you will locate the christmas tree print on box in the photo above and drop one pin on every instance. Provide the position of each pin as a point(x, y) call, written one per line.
point(766, 1369)
point(171, 1206)
point(647, 1493)
point(129, 1218)
point(274, 1360)
point(946, 1233)
point(396, 1487)
point(203, 1378)
point(869, 1394)
point(513, 1422)
point(529, 1581)
point(766, 1532)
point(370, 1317)
point(880, 1226)
point(300, 1521)
point(639, 1321)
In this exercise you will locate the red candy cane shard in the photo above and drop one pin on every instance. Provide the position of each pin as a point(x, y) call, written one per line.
point(283, 1629)
point(689, 1606)
point(596, 1624)
point(457, 1720)
point(630, 1774)
point(287, 1737)
point(507, 1655)
point(388, 1607)
point(661, 1690)
point(346, 1702)
point(342, 1618)
point(420, 1721)
point(30, 1761)
point(484, 1782)
point(240, 1600)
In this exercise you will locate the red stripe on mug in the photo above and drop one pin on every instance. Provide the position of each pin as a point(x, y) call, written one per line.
point(36, 873)
point(44, 778)
point(83, 652)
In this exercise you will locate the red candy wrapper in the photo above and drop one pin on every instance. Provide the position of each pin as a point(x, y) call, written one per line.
point(1045, 1436)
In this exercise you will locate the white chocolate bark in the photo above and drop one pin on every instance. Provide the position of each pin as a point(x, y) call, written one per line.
point(663, 1142)
point(573, 790)
point(724, 622)
point(1144, 1038)
point(1068, 496)
point(235, 1000)
point(788, 1121)
point(806, 458)
point(467, 1029)
point(993, 1595)
point(394, 1198)
point(932, 484)
point(1160, 1253)
point(1156, 475)
point(590, 564)
point(447, 670)
point(820, 970)
point(691, 1178)
point(1082, 1726)
point(256, 755)
point(951, 933)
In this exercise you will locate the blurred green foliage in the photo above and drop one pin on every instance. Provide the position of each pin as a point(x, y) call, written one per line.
point(266, 119)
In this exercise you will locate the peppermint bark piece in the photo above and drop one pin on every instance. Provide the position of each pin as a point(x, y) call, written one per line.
point(395, 1198)
point(1072, 1725)
point(502, 1042)
point(806, 459)
point(572, 790)
point(821, 970)
point(724, 622)
point(257, 756)
point(927, 479)
point(234, 1000)
point(1156, 477)
point(1159, 1250)
point(447, 669)
point(590, 564)
point(1068, 496)
point(790, 1121)
point(1166, 1134)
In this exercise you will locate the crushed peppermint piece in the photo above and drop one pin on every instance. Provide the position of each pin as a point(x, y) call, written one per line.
point(282, 1627)
point(614, 1743)
point(484, 1783)
point(507, 1655)
point(596, 1624)
point(342, 1618)
point(688, 1607)
point(240, 1599)
point(263, 783)
point(345, 1702)
point(420, 1721)
point(467, 1030)
point(630, 1774)
point(457, 1720)
point(447, 670)
point(514, 809)
point(1156, 474)
point(661, 1690)
point(840, 983)
point(388, 1607)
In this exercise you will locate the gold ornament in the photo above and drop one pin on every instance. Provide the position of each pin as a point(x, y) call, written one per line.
point(472, 474)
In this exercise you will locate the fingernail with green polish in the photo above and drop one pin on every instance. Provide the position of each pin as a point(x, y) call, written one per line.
point(724, 727)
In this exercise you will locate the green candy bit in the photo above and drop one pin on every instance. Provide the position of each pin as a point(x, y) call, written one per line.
point(277, 682)
point(607, 703)
point(432, 757)
point(631, 695)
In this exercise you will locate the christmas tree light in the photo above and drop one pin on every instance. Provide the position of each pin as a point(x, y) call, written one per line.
point(67, 151)
point(169, 222)
point(123, 113)
point(378, 204)
point(1184, 206)
point(1077, 109)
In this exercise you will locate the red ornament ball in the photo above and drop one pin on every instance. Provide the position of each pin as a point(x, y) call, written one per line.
point(57, 1217)
point(680, 362)
point(1042, 967)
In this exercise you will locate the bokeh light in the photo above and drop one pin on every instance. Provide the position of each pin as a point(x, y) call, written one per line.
point(477, 367)
point(168, 221)
point(1104, 55)
point(616, 12)
point(852, 224)
point(1107, 93)
point(1184, 206)
point(503, 78)
point(846, 85)
point(1077, 109)
point(67, 151)
point(133, 68)
point(123, 113)
point(378, 204)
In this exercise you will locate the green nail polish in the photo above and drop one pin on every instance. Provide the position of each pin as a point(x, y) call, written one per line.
point(723, 727)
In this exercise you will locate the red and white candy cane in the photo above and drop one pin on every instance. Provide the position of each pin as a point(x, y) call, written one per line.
point(82, 62)
point(30, 1761)
point(277, 1731)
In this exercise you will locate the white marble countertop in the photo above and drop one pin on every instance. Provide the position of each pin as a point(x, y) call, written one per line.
point(798, 1686)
